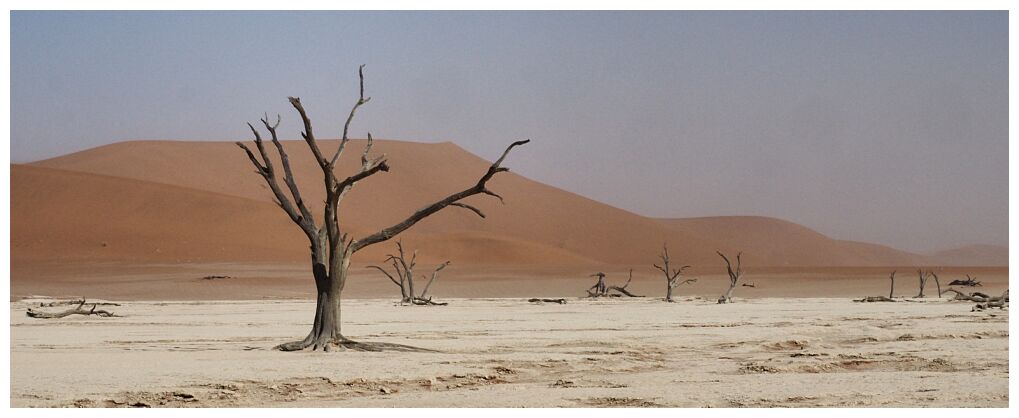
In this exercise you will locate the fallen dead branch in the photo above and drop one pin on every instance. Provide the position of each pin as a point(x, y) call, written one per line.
point(73, 302)
point(975, 296)
point(875, 299)
point(216, 277)
point(539, 300)
point(969, 282)
point(79, 310)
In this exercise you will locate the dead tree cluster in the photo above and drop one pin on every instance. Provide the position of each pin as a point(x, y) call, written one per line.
point(405, 271)
point(600, 289)
point(78, 310)
point(734, 276)
point(331, 246)
point(672, 275)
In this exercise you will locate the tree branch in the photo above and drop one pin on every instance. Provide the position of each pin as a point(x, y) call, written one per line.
point(346, 126)
point(426, 211)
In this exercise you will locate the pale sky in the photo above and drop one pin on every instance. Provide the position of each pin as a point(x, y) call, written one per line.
point(887, 127)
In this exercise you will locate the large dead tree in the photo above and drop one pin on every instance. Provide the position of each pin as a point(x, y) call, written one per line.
point(405, 271)
point(734, 276)
point(331, 247)
point(672, 275)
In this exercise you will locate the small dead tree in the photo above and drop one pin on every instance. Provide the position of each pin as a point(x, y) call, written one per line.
point(923, 281)
point(79, 310)
point(925, 275)
point(405, 271)
point(332, 247)
point(671, 275)
point(601, 290)
point(734, 276)
point(891, 291)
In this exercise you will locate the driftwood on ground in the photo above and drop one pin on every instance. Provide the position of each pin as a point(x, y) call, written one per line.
point(73, 302)
point(875, 299)
point(79, 310)
point(539, 300)
point(969, 282)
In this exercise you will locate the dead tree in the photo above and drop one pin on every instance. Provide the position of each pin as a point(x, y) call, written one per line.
point(970, 282)
point(601, 290)
point(891, 291)
point(622, 289)
point(405, 271)
point(936, 282)
point(79, 310)
point(671, 275)
point(734, 276)
point(332, 247)
point(924, 275)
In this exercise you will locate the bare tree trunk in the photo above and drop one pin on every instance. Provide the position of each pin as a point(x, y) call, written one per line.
point(923, 281)
point(671, 275)
point(734, 276)
point(937, 282)
point(891, 292)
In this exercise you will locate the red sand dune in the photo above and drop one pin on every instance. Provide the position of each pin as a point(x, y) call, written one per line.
point(172, 201)
point(974, 255)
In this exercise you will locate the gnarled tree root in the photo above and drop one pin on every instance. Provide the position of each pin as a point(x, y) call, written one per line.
point(342, 344)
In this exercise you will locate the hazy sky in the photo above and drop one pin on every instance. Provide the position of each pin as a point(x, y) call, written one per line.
point(883, 127)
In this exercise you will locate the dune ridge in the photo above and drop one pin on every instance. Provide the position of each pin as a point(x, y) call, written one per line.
point(178, 201)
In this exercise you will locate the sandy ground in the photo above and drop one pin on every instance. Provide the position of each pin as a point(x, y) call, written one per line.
point(509, 353)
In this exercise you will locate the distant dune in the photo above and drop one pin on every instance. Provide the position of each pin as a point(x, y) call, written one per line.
point(784, 243)
point(175, 201)
point(974, 255)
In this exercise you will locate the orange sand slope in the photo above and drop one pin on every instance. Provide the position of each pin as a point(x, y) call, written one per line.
point(172, 201)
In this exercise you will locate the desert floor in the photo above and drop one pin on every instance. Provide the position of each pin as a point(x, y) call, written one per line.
point(508, 353)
